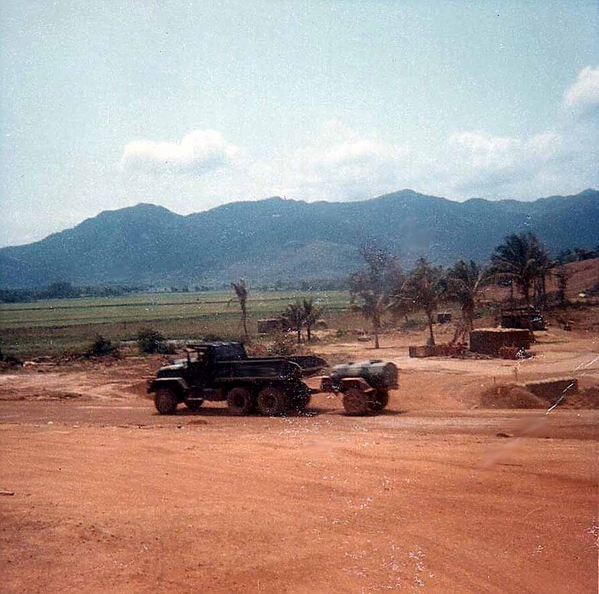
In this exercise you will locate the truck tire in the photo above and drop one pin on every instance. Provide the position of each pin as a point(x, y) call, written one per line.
point(272, 402)
point(165, 401)
point(356, 402)
point(194, 405)
point(240, 401)
point(381, 400)
point(300, 396)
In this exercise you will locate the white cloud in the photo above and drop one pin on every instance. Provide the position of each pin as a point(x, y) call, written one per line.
point(344, 166)
point(584, 93)
point(200, 151)
point(341, 164)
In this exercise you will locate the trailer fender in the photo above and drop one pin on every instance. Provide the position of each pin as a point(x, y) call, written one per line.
point(356, 382)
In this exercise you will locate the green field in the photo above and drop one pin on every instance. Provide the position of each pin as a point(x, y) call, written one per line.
point(55, 326)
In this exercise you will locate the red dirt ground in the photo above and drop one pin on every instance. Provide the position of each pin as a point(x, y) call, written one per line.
point(100, 494)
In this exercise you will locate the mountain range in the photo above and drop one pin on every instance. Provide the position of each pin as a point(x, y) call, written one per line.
point(278, 239)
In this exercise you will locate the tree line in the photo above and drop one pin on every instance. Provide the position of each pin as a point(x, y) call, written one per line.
point(381, 287)
point(521, 263)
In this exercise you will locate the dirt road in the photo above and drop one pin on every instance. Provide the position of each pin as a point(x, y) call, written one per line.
point(100, 494)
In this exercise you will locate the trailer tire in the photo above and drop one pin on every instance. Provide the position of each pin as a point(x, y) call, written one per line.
point(240, 401)
point(381, 400)
point(272, 402)
point(165, 401)
point(356, 402)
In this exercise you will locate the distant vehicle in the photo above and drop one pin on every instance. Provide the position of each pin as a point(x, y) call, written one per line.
point(222, 371)
point(527, 318)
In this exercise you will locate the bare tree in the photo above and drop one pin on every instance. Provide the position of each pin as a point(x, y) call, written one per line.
point(371, 288)
point(242, 293)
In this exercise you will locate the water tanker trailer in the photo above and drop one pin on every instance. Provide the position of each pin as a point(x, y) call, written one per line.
point(364, 385)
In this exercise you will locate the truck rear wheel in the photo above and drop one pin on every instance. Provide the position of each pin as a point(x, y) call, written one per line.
point(165, 401)
point(272, 402)
point(381, 399)
point(300, 397)
point(194, 405)
point(240, 401)
point(356, 402)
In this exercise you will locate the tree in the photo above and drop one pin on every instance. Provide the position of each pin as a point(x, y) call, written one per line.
point(544, 266)
point(294, 316)
point(371, 288)
point(562, 276)
point(464, 283)
point(241, 293)
point(518, 260)
point(311, 313)
point(425, 286)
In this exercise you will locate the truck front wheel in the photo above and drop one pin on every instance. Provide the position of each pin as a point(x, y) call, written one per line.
point(272, 402)
point(165, 401)
point(240, 401)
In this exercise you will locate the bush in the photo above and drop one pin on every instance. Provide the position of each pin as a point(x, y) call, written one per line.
point(283, 345)
point(413, 325)
point(101, 347)
point(10, 360)
point(153, 341)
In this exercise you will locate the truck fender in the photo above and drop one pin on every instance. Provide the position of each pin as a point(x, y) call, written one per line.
point(167, 382)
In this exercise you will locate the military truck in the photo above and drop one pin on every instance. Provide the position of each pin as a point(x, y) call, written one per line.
point(222, 371)
point(219, 371)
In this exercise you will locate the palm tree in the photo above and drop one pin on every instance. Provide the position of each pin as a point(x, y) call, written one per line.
point(517, 260)
point(425, 286)
point(241, 293)
point(464, 282)
point(311, 312)
point(544, 266)
point(294, 316)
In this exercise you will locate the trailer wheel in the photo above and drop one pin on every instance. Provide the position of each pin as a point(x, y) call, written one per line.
point(300, 397)
point(272, 402)
point(165, 401)
point(357, 403)
point(240, 401)
point(381, 400)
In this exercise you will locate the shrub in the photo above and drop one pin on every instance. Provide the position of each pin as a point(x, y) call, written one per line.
point(9, 360)
point(101, 347)
point(283, 345)
point(153, 341)
point(411, 324)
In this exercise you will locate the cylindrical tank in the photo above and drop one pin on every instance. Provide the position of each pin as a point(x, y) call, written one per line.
point(379, 374)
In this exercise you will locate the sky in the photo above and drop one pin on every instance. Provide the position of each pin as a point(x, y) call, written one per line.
point(192, 104)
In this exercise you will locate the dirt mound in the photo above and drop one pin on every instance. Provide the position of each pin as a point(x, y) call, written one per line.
point(586, 398)
point(516, 396)
point(510, 396)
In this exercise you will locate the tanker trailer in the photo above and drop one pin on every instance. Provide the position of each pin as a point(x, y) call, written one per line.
point(364, 385)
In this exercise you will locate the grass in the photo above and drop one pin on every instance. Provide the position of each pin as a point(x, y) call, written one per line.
point(59, 325)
